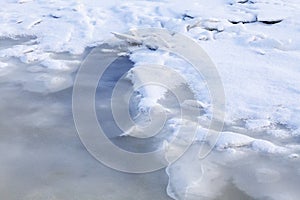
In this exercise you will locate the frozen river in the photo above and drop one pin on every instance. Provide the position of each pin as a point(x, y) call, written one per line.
point(254, 48)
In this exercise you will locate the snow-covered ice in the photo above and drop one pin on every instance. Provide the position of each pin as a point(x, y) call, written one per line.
point(254, 44)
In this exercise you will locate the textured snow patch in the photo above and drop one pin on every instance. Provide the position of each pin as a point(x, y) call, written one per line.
point(232, 140)
point(267, 147)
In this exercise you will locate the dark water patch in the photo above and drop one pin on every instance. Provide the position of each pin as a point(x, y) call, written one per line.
point(271, 22)
point(243, 21)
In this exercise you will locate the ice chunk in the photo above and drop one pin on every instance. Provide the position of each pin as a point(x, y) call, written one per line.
point(267, 147)
point(233, 140)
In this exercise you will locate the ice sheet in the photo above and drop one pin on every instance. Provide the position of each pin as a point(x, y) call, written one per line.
point(254, 44)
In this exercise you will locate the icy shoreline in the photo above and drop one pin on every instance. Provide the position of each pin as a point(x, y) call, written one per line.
point(255, 47)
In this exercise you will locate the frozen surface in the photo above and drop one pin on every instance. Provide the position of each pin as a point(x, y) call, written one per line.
point(255, 46)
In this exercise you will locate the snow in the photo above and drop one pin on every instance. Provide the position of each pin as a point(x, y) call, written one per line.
point(232, 140)
point(266, 147)
point(255, 46)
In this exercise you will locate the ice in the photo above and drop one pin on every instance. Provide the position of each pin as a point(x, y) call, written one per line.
point(232, 140)
point(236, 141)
point(189, 74)
point(294, 156)
point(144, 79)
point(3, 68)
point(254, 44)
point(45, 83)
point(267, 147)
point(282, 134)
point(257, 124)
point(215, 174)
